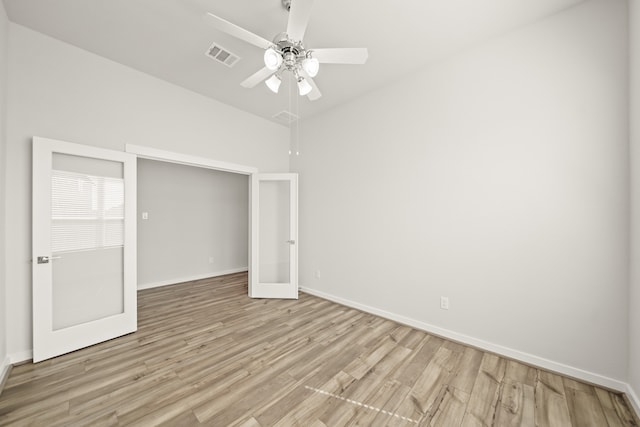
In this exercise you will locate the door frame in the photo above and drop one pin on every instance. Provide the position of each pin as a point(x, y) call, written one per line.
point(203, 162)
point(189, 160)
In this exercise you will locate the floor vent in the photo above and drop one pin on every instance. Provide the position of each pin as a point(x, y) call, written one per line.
point(222, 55)
point(285, 117)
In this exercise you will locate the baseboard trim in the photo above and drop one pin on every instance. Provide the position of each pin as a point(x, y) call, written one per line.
point(10, 361)
point(142, 286)
point(527, 358)
point(5, 370)
point(20, 357)
point(633, 399)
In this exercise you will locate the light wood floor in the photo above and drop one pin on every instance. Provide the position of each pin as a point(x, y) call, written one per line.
point(205, 354)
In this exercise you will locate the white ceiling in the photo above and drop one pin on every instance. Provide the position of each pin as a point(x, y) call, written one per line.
point(168, 39)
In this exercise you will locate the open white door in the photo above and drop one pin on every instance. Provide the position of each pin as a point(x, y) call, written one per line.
point(84, 246)
point(274, 236)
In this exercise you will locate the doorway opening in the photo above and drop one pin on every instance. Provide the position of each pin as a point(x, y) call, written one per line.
point(193, 223)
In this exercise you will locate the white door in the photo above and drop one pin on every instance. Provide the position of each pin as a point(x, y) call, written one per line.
point(274, 236)
point(84, 246)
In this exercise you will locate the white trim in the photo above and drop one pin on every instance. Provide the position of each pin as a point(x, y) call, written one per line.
point(481, 344)
point(20, 357)
point(190, 278)
point(186, 159)
point(4, 373)
point(201, 162)
point(633, 398)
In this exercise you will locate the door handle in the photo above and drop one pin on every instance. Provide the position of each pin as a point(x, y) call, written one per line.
point(46, 259)
point(291, 242)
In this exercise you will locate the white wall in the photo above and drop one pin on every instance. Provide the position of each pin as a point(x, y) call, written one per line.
point(62, 92)
point(4, 39)
point(194, 214)
point(497, 178)
point(634, 290)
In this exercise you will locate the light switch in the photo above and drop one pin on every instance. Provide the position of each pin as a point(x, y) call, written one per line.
point(145, 215)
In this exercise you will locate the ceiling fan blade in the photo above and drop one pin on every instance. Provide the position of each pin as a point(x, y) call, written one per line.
point(315, 92)
point(299, 15)
point(347, 55)
point(256, 78)
point(237, 32)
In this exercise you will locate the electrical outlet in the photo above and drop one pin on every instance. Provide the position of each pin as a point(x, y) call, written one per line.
point(444, 303)
point(317, 274)
point(210, 260)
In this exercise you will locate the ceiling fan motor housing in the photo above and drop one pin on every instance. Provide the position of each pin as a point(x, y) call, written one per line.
point(293, 52)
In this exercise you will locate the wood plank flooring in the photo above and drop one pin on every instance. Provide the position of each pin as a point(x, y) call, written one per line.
point(206, 354)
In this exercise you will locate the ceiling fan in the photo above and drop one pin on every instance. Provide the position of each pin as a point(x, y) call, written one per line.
point(287, 52)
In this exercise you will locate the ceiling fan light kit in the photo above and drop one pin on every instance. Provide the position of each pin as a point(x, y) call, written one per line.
point(272, 59)
point(287, 51)
point(304, 88)
point(273, 83)
point(311, 66)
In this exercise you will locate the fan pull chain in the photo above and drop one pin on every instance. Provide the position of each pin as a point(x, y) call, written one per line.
point(297, 145)
point(289, 100)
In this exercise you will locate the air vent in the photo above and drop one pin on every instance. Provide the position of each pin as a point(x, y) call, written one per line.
point(222, 55)
point(285, 117)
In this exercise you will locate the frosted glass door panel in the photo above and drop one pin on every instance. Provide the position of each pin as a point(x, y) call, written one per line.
point(87, 239)
point(275, 240)
point(87, 285)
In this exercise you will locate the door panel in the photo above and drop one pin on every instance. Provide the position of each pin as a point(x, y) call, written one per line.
point(84, 246)
point(275, 225)
point(274, 269)
point(73, 301)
